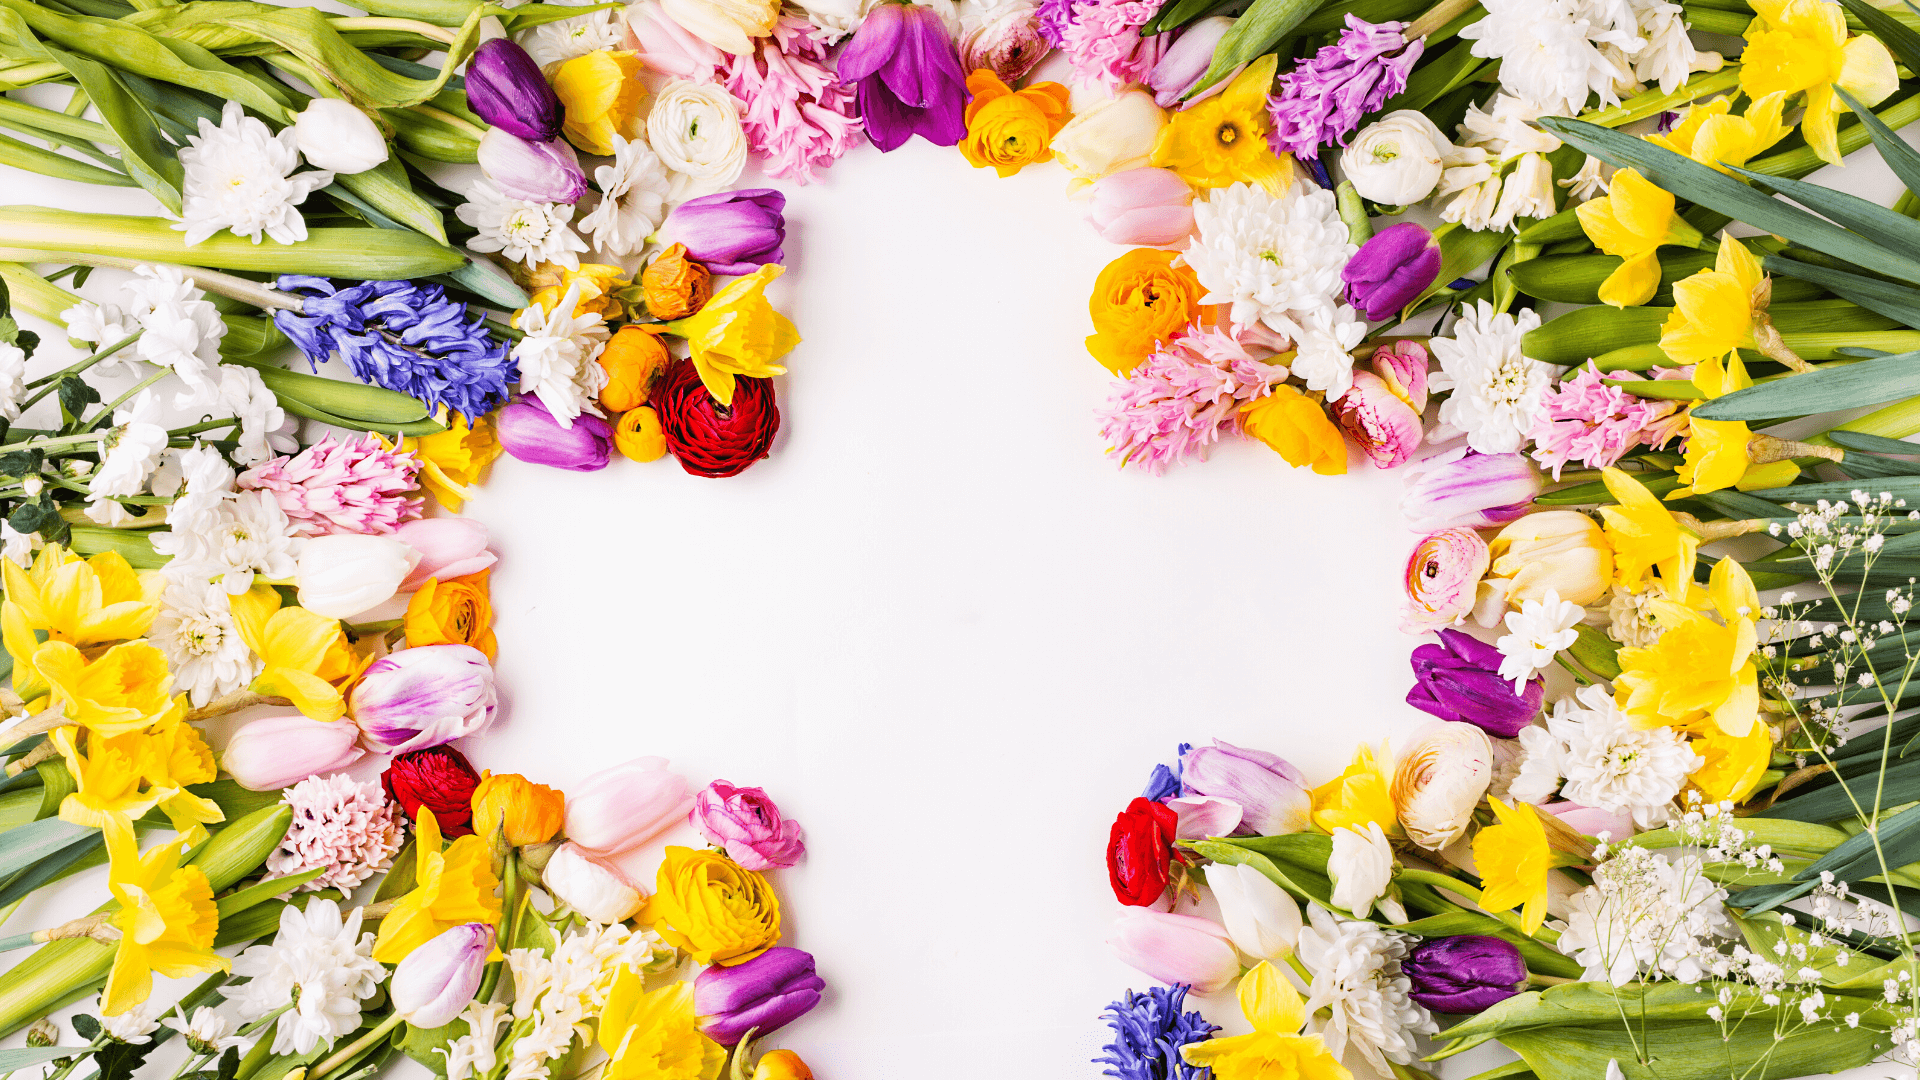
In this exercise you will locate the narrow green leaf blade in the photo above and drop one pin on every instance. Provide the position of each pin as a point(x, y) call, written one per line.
point(1896, 231)
point(1256, 31)
point(1885, 298)
point(1868, 382)
point(1894, 34)
point(1901, 157)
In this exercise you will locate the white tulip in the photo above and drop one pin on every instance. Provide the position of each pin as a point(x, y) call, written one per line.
point(335, 136)
point(591, 886)
point(345, 574)
point(1260, 917)
point(1361, 867)
point(1396, 160)
point(1438, 780)
point(727, 25)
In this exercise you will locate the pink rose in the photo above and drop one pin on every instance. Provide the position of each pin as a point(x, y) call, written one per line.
point(745, 822)
point(1443, 579)
point(449, 547)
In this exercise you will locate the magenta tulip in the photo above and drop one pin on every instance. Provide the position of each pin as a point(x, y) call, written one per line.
point(529, 433)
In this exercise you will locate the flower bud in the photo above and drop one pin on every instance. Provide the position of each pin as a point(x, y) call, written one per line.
point(1558, 551)
point(639, 437)
point(746, 823)
point(1390, 269)
point(1477, 490)
point(666, 47)
point(727, 25)
point(1438, 778)
point(423, 696)
point(1466, 973)
point(620, 808)
point(1442, 579)
point(1007, 42)
point(535, 171)
point(732, 232)
point(1186, 60)
point(675, 286)
point(1271, 792)
point(274, 752)
point(1142, 206)
point(1261, 919)
point(334, 135)
point(437, 980)
point(1397, 159)
point(1360, 866)
point(1115, 135)
point(1459, 679)
point(507, 90)
point(530, 813)
point(530, 433)
point(344, 574)
point(449, 547)
point(782, 1065)
point(591, 885)
point(761, 995)
point(1176, 949)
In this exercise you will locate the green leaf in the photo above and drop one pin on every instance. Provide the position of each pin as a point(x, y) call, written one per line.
point(1696, 1050)
point(21, 847)
point(83, 853)
point(131, 544)
point(1899, 155)
point(146, 154)
point(56, 783)
point(1461, 251)
point(1896, 231)
point(22, 155)
point(1894, 301)
point(345, 404)
point(1832, 803)
point(1179, 13)
point(385, 188)
point(1852, 859)
point(361, 254)
point(1256, 31)
point(1869, 382)
point(486, 280)
point(1876, 444)
point(35, 1055)
point(1234, 855)
point(262, 891)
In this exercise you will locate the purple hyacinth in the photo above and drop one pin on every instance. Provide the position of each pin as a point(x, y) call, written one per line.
point(1322, 100)
point(1055, 16)
point(1459, 679)
point(1465, 974)
point(907, 78)
point(1164, 782)
point(403, 336)
point(1148, 1031)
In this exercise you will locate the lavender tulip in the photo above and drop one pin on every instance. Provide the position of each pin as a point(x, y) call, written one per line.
point(733, 232)
point(535, 171)
point(1475, 490)
point(1459, 679)
point(505, 87)
point(530, 433)
point(1391, 269)
point(907, 77)
point(1272, 793)
point(1186, 60)
point(437, 980)
point(1465, 974)
point(767, 992)
point(423, 696)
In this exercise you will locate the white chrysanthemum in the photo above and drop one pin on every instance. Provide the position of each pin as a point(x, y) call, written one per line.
point(1630, 618)
point(194, 628)
point(556, 42)
point(557, 356)
point(265, 429)
point(695, 128)
point(1324, 341)
point(1646, 916)
point(325, 960)
point(240, 176)
point(633, 198)
point(524, 232)
point(229, 542)
point(1356, 975)
point(133, 1026)
point(1496, 389)
point(1552, 52)
point(180, 330)
point(98, 324)
point(129, 452)
point(1535, 635)
point(1607, 762)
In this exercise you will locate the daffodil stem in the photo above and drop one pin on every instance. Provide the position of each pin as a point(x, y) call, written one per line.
point(234, 702)
point(1653, 102)
point(90, 926)
point(38, 724)
point(354, 1048)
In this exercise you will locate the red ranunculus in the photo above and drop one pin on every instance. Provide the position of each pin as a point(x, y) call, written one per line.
point(706, 437)
point(442, 779)
point(1139, 851)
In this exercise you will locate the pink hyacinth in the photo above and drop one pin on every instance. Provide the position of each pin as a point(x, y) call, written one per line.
point(1104, 45)
point(348, 827)
point(798, 115)
point(341, 487)
point(1591, 420)
point(1176, 404)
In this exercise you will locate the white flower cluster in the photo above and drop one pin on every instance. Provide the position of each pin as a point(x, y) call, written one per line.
point(554, 997)
point(1556, 53)
point(240, 176)
point(558, 355)
point(1496, 388)
point(1606, 760)
point(1356, 975)
point(1647, 916)
point(322, 963)
point(1499, 168)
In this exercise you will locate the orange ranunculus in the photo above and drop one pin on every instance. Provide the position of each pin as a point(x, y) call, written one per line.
point(675, 286)
point(1140, 301)
point(638, 435)
point(1010, 129)
point(633, 359)
point(531, 813)
point(1297, 428)
point(452, 612)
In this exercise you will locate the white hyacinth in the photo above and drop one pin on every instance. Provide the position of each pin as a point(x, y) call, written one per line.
point(524, 232)
point(1356, 976)
point(1496, 388)
point(558, 994)
point(323, 958)
point(557, 356)
point(1606, 761)
point(240, 176)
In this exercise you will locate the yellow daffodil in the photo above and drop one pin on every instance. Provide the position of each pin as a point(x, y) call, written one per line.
point(1802, 46)
point(451, 462)
point(1275, 1049)
point(1361, 794)
point(1514, 858)
point(1713, 310)
point(181, 757)
point(1646, 536)
point(167, 919)
point(738, 333)
point(451, 887)
point(1716, 454)
point(1711, 135)
point(1733, 765)
point(602, 92)
point(111, 773)
point(83, 603)
point(1632, 221)
point(1223, 140)
point(305, 656)
point(598, 283)
point(1700, 669)
point(124, 690)
point(655, 1036)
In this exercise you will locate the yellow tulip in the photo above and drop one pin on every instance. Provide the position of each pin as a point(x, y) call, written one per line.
point(451, 462)
point(1802, 47)
point(1223, 140)
point(122, 691)
point(305, 657)
point(1646, 536)
point(602, 94)
point(1700, 670)
point(167, 919)
point(451, 887)
point(80, 602)
point(1712, 136)
point(1632, 221)
point(655, 1036)
point(1361, 794)
point(1275, 1048)
point(1513, 858)
point(738, 333)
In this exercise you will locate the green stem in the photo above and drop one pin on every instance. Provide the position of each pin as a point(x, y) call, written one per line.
point(106, 412)
point(1438, 16)
point(1653, 102)
point(354, 1048)
point(53, 380)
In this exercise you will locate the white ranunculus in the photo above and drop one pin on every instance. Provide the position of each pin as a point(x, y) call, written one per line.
point(334, 135)
point(345, 574)
point(1260, 917)
point(695, 130)
point(1396, 160)
point(1361, 867)
point(727, 25)
point(1438, 780)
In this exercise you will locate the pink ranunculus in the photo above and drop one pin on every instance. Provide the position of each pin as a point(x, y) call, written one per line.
point(1442, 579)
point(1380, 422)
point(620, 808)
point(274, 752)
point(748, 825)
point(1176, 949)
point(1202, 816)
point(449, 547)
point(1142, 206)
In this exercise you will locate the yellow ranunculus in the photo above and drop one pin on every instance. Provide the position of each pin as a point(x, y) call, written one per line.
point(1295, 426)
point(82, 603)
point(1733, 764)
point(1700, 670)
point(738, 333)
point(1801, 46)
point(1223, 139)
point(1646, 536)
point(602, 94)
point(655, 1036)
point(305, 657)
point(451, 887)
point(1712, 136)
point(126, 689)
point(782, 1065)
point(638, 436)
point(598, 282)
point(1631, 221)
point(1275, 1049)
point(1513, 858)
point(1362, 794)
point(1010, 129)
point(451, 462)
point(167, 919)
point(709, 905)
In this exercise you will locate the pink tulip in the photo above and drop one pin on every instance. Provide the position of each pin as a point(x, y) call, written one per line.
point(1176, 949)
point(665, 46)
point(1199, 817)
point(619, 809)
point(277, 751)
point(1142, 206)
point(449, 547)
point(1591, 820)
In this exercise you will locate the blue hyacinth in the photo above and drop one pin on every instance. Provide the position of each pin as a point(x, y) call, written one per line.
point(1164, 783)
point(403, 336)
point(1148, 1031)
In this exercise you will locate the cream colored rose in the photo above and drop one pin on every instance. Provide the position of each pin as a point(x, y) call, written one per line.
point(694, 128)
point(727, 25)
point(1110, 137)
point(1397, 159)
point(1438, 780)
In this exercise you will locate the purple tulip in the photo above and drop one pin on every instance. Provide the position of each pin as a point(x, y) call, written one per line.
point(767, 992)
point(535, 171)
point(434, 983)
point(506, 89)
point(1272, 793)
point(1476, 490)
point(530, 433)
point(732, 232)
point(1459, 679)
point(1391, 269)
point(907, 77)
point(1465, 974)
